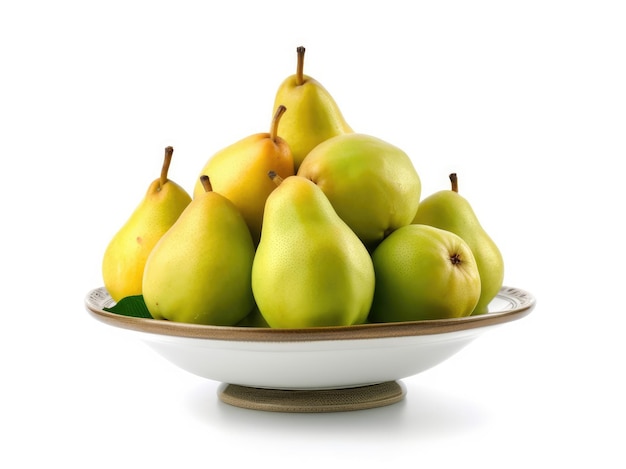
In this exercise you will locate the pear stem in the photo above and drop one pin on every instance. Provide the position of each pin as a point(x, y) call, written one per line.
point(206, 183)
point(300, 69)
point(167, 159)
point(274, 177)
point(455, 182)
point(274, 129)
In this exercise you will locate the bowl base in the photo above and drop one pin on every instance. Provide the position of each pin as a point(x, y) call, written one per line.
point(313, 400)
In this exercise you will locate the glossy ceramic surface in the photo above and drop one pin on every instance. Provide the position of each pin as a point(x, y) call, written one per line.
point(315, 358)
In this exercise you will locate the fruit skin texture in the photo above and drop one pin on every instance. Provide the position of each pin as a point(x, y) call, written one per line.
point(310, 269)
point(126, 254)
point(449, 210)
point(239, 173)
point(313, 115)
point(416, 277)
point(372, 184)
point(199, 272)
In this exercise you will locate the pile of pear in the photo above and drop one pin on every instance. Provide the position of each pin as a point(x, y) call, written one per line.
point(311, 224)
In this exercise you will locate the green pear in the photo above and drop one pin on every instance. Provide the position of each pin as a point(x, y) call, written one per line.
point(125, 256)
point(423, 272)
point(199, 272)
point(310, 269)
point(448, 210)
point(254, 319)
point(372, 184)
point(313, 113)
point(239, 172)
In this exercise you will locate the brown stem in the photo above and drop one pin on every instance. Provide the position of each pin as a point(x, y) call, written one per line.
point(274, 177)
point(169, 151)
point(206, 183)
point(300, 70)
point(274, 130)
point(455, 182)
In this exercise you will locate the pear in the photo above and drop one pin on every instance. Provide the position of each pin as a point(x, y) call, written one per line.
point(254, 319)
point(423, 272)
point(448, 210)
point(239, 172)
point(313, 113)
point(125, 256)
point(199, 272)
point(372, 184)
point(310, 269)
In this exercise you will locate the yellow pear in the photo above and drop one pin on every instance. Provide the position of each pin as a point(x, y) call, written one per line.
point(449, 210)
point(126, 254)
point(199, 272)
point(313, 113)
point(310, 269)
point(239, 172)
point(372, 184)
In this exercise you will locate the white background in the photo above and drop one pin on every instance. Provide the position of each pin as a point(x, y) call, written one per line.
point(526, 101)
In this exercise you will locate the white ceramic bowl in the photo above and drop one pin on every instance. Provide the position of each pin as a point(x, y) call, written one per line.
point(324, 358)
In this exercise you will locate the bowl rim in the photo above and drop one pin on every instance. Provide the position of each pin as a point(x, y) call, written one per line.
point(98, 298)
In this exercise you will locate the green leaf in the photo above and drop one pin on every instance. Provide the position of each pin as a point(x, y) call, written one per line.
point(133, 306)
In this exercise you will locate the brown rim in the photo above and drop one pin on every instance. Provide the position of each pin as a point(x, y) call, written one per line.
point(522, 304)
